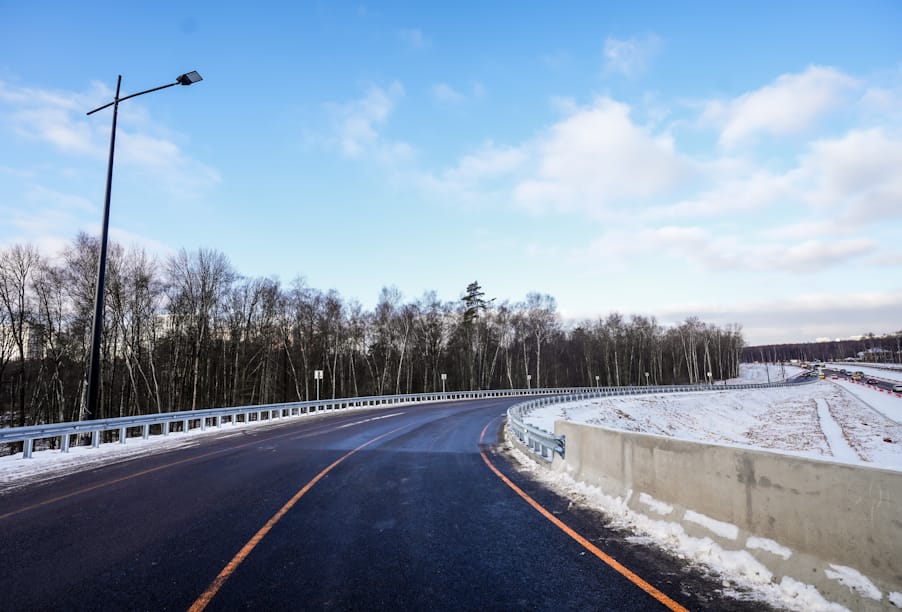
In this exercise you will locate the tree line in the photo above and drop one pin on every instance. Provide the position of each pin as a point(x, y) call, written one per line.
point(190, 332)
point(886, 348)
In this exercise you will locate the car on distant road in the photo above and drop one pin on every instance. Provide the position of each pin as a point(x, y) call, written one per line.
point(857, 376)
point(871, 381)
point(897, 388)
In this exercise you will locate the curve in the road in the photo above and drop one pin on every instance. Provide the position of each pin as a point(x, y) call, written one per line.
point(354, 511)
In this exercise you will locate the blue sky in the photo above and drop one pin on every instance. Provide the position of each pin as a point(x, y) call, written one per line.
point(738, 163)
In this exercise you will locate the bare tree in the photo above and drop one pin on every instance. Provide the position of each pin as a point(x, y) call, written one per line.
point(17, 265)
point(199, 282)
point(542, 320)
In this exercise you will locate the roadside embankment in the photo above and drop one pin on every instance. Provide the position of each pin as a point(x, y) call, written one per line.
point(832, 525)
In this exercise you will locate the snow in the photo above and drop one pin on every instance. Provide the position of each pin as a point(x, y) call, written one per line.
point(896, 599)
point(854, 580)
point(853, 428)
point(658, 506)
point(724, 530)
point(763, 373)
point(768, 545)
point(839, 447)
point(739, 570)
point(886, 403)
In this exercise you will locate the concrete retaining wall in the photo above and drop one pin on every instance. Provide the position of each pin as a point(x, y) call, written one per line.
point(826, 513)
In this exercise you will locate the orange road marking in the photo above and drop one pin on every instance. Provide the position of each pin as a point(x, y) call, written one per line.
point(487, 425)
point(613, 563)
point(204, 600)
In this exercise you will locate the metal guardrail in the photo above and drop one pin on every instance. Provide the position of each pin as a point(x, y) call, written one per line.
point(545, 443)
point(168, 422)
point(542, 442)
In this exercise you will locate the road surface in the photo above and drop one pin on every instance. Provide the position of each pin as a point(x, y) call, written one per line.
point(411, 508)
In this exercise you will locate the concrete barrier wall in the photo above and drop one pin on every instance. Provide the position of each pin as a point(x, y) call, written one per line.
point(826, 513)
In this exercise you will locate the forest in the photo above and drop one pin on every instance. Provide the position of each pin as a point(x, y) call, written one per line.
point(190, 332)
point(886, 348)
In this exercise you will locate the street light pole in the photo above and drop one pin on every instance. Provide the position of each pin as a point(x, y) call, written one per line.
point(93, 390)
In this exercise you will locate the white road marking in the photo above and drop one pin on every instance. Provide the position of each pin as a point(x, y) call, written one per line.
point(384, 416)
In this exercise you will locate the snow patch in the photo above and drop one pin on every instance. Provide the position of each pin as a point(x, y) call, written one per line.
point(769, 545)
point(784, 420)
point(855, 580)
point(658, 506)
point(724, 530)
point(801, 596)
point(896, 599)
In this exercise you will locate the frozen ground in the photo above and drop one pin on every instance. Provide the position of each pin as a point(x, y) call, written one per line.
point(762, 373)
point(828, 419)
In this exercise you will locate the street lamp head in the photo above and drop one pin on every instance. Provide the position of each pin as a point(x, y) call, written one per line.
point(189, 77)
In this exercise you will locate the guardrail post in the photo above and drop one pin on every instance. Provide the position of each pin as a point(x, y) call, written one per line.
point(219, 421)
point(203, 423)
point(64, 443)
point(146, 431)
point(122, 435)
point(27, 446)
point(185, 426)
point(95, 438)
point(165, 427)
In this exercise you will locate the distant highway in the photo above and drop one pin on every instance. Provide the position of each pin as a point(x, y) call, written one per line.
point(397, 509)
point(880, 384)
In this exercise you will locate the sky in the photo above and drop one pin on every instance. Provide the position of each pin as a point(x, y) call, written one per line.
point(739, 163)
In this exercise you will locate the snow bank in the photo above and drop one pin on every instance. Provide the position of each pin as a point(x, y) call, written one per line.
point(853, 427)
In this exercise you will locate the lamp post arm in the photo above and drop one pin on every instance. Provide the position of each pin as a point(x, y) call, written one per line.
point(134, 95)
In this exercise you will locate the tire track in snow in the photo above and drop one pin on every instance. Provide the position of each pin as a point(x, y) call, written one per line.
point(837, 442)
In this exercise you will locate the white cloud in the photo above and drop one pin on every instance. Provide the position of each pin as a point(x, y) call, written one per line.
point(443, 92)
point(357, 123)
point(719, 252)
point(630, 56)
point(819, 254)
point(732, 191)
point(413, 38)
point(476, 174)
point(597, 160)
point(58, 118)
point(856, 177)
point(55, 117)
point(800, 318)
point(789, 105)
point(38, 194)
point(158, 157)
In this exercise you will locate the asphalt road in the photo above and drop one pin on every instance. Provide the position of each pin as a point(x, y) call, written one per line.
point(392, 509)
